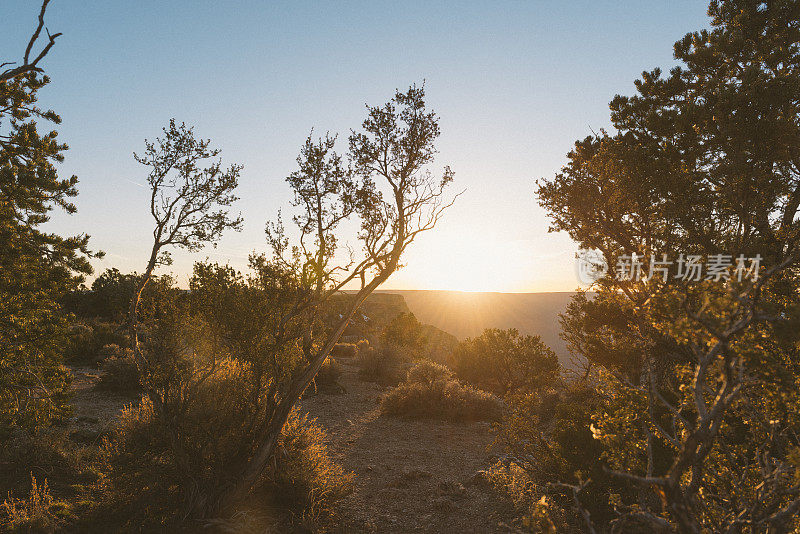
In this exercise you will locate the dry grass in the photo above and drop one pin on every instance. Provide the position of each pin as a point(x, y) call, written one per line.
point(39, 512)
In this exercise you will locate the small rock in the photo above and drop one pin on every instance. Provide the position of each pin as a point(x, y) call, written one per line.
point(481, 479)
point(453, 489)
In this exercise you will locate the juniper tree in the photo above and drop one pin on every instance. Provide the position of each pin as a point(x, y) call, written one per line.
point(699, 379)
point(190, 194)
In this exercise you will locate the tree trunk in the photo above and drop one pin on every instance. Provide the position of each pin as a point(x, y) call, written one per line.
point(255, 468)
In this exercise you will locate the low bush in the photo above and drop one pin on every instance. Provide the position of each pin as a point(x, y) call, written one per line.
point(383, 365)
point(327, 379)
point(430, 392)
point(87, 339)
point(154, 489)
point(305, 477)
point(505, 361)
point(119, 370)
point(39, 512)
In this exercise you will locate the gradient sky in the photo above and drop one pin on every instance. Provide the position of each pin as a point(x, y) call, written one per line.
point(515, 84)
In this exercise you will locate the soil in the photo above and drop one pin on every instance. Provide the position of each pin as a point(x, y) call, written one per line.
point(410, 475)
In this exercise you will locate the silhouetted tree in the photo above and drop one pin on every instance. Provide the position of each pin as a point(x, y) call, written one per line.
point(699, 378)
point(389, 156)
point(37, 268)
point(189, 201)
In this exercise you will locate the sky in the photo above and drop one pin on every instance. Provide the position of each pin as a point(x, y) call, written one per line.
point(515, 85)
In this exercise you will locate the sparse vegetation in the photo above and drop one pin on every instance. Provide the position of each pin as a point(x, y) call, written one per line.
point(305, 478)
point(119, 370)
point(248, 401)
point(503, 362)
point(430, 391)
point(39, 512)
point(384, 364)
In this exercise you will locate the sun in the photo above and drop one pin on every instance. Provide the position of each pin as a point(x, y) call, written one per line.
point(474, 266)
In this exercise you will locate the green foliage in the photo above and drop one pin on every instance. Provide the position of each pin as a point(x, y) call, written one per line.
point(548, 437)
point(37, 268)
point(109, 298)
point(503, 361)
point(327, 379)
point(430, 392)
point(404, 331)
point(119, 370)
point(86, 339)
point(383, 364)
point(697, 380)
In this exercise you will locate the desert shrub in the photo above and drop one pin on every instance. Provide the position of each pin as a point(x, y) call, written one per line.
point(548, 436)
point(429, 391)
point(119, 370)
point(383, 365)
point(161, 471)
point(503, 361)
point(327, 379)
point(39, 512)
point(87, 339)
point(305, 477)
point(404, 331)
point(427, 372)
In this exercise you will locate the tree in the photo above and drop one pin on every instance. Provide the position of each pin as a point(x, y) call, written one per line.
point(404, 331)
point(28, 66)
point(37, 268)
point(188, 202)
point(261, 337)
point(503, 361)
point(699, 378)
point(391, 154)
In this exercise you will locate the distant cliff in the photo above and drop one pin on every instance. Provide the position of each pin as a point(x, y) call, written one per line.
point(468, 314)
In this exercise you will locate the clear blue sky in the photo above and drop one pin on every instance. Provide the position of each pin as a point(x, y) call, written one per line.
point(515, 84)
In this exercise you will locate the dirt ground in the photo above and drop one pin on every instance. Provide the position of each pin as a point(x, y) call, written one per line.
point(410, 476)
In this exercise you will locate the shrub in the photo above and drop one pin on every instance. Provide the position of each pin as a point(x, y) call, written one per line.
point(430, 392)
point(548, 436)
point(382, 365)
point(428, 372)
point(503, 361)
point(327, 379)
point(87, 339)
point(154, 487)
point(305, 477)
point(405, 331)
point(38, 513)
point(119, 370)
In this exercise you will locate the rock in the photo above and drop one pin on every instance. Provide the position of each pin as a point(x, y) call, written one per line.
point(481, 479)
point(451, 488)
point(84, 435)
